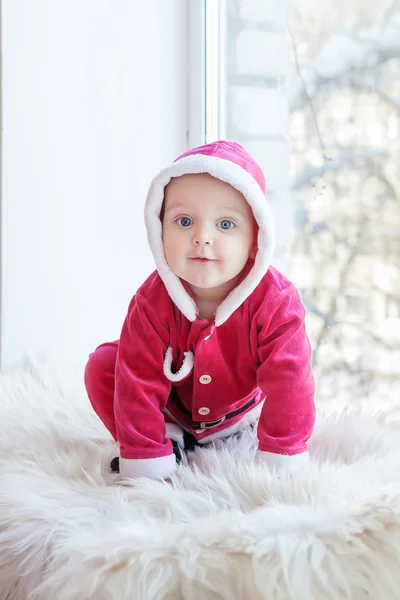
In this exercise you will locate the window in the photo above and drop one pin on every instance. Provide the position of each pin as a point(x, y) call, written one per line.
point(319, 77)
point(344, 92)
point(243, 66)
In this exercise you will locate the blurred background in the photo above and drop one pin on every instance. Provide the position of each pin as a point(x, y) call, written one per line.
point(98, 96)
point(340, 234)
point(344, 95)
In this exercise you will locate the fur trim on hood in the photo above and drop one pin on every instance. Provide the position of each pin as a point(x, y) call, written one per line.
point(229, 162)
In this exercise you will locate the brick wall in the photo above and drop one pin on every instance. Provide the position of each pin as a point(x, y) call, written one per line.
point(257, 107)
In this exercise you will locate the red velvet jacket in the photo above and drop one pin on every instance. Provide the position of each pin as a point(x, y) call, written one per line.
point(261, 352)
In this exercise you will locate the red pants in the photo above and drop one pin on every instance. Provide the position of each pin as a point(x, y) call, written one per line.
point(99, 381)
point(100, 384)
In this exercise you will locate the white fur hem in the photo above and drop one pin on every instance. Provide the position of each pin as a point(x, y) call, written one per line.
point(289, 463)
point(156, 468)
point(249, 418)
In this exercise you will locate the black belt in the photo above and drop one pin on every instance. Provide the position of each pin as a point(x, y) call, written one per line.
point(174, 396)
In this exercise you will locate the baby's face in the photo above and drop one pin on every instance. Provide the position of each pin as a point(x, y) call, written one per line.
point(209, 231)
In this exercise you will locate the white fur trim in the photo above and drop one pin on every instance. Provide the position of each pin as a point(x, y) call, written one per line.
point(240, 179)
point(155, 468)
point(290, 463)
point(249, 418)
point(174, 432)
point(185, 369)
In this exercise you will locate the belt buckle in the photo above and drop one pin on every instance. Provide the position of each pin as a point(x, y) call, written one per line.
point(210, 424)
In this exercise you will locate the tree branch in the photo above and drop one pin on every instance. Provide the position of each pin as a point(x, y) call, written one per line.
point(352, 77)
point(342, 159)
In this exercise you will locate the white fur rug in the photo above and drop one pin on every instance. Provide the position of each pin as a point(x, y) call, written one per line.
point(222, 529)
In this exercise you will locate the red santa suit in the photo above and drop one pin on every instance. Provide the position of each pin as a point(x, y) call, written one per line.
point(172, 371)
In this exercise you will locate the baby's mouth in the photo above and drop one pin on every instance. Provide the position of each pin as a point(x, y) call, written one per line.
point(201, 259)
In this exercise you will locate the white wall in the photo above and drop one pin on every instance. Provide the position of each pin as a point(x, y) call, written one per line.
point(94, 103)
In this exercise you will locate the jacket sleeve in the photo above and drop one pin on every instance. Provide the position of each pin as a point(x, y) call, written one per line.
point(141, 393)
point(284, 375)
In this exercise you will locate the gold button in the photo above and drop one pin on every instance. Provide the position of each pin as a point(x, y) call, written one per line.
point(204, 410)
point(205, 379)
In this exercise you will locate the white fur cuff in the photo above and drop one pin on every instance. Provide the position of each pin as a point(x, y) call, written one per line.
point(285, 462)
point(156, 468)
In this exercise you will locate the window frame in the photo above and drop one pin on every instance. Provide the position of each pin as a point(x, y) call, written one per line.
point(207, 71)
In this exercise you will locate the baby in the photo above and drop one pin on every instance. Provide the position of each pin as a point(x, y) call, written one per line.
point(214, 340)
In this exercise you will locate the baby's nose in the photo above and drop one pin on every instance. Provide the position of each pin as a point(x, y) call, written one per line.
point(202, 236)
point(198, 242)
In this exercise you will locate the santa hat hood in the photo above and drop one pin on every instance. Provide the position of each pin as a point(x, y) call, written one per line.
point(229, 162)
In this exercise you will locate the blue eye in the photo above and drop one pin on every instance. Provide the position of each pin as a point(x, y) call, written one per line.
point(225, 224)
point(184, 221)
